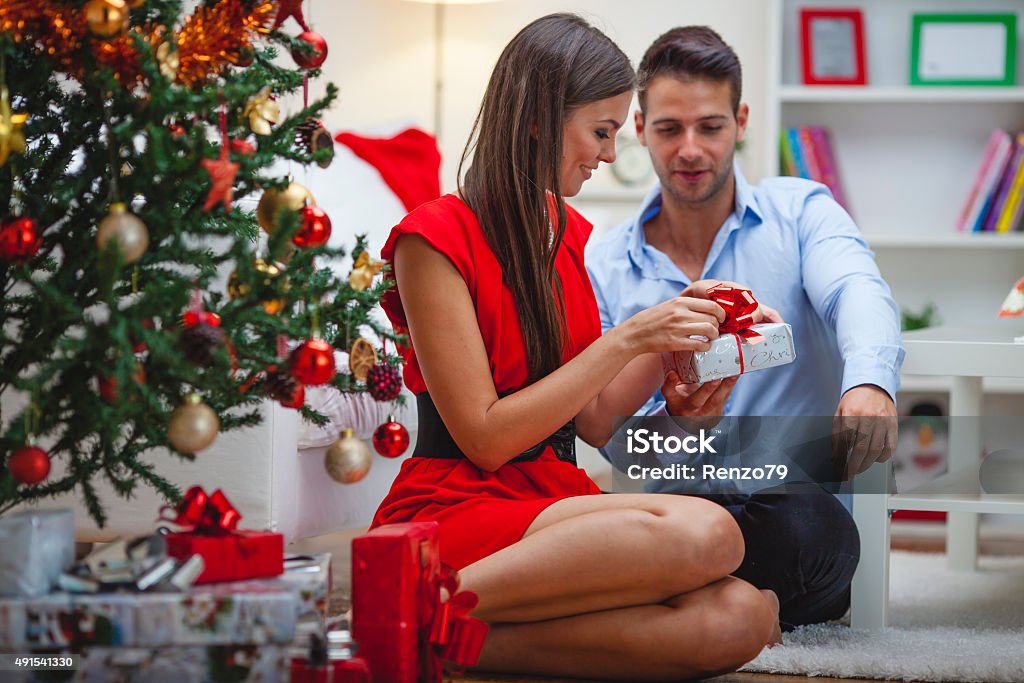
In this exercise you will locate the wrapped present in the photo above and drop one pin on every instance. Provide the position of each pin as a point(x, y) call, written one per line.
point(331, 660)
point(740, 347)
point(37, 546)
point(234, 663)
point(229, 554)
point(245, 612)
point(403, 629)
point(310, 577)
point(731, 355)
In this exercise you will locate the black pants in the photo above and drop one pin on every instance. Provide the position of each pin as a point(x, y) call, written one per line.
point(803, 546)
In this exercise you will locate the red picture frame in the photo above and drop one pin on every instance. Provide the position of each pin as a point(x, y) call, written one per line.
point(833, 51)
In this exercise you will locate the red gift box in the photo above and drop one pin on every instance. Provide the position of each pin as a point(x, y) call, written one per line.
point(403, 629)
point(233, 557)
point(228, 553)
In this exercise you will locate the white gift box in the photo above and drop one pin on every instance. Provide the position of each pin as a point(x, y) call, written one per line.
point(731, 355)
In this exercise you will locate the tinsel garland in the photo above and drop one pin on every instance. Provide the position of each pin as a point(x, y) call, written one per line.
point(210, 39)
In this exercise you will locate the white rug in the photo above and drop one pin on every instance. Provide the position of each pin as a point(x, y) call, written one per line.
point(945, 626)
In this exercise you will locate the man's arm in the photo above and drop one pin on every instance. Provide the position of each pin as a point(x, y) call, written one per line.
point(846, 289)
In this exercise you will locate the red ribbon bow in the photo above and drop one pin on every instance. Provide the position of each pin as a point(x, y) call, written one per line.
point(450, 633)
point(213, 514)
point(739, 305)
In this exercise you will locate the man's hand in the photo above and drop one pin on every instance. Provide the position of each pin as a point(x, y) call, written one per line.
point(863, 430)
point(702, 404)
point(763, 314)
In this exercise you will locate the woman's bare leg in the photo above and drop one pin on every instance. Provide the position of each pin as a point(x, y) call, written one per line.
point(601, 552)
point(708, 631)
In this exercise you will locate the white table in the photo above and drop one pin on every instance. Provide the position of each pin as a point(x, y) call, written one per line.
point(968, 355)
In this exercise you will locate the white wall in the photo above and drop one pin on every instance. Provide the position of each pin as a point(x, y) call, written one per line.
point(382, 57)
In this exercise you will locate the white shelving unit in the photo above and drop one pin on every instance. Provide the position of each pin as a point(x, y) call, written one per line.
point(907, 156)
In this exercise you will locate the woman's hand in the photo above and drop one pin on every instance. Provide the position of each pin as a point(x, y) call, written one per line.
point(763, 314)
point(671, 326)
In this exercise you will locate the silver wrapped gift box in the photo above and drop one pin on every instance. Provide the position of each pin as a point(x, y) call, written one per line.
point(732, 355)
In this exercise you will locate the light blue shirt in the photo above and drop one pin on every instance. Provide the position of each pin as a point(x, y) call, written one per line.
point(800, 253)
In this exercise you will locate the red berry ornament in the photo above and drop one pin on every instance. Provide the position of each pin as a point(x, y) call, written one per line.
point(314, 229)
point(391, 439)
point(313, 362)
point(29, 465)
point(384, 382)
point(313, 57)
point(19, 239)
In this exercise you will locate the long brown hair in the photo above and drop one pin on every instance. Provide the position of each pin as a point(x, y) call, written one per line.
point(555, 64)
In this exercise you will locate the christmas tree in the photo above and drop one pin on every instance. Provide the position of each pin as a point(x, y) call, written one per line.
point(127, 127)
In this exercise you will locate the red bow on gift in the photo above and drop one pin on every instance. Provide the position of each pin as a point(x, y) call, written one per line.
point(213, 514)
point(451, 634)
point(739, 305)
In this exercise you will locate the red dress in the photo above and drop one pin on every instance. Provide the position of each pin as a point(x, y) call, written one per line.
point(482, 512)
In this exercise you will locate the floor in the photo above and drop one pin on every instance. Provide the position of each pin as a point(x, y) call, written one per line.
point(338, 545)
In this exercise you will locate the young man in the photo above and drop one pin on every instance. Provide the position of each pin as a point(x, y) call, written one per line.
point(800, 253)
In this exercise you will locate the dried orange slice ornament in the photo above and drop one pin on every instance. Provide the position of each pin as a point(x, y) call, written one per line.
point(361, 357)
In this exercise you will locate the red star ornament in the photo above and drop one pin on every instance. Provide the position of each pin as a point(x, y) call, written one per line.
point(290, 8)
point(222, 176)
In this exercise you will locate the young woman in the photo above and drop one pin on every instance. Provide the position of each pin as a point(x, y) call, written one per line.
point(508, 364)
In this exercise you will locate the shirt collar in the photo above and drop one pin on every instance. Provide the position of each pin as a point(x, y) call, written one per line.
point(746, 201)
point(746, 196)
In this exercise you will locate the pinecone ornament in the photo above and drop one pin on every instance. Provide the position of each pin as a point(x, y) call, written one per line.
point(384, 382)
point(199, 343)
point(311, 136)
point(282, 386)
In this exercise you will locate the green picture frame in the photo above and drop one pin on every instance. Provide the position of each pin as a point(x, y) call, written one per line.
point(958, 49)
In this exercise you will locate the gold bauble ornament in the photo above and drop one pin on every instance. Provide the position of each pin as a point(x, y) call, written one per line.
point(135, 4)
point(273, 202)
point(269, 272)
point(348, 459)
point(125, 227)
point(106, 18)
point(193, 425)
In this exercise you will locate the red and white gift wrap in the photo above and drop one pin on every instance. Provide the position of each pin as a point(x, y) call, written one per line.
point(741, 346)
point(403, 629)
point(229, 554)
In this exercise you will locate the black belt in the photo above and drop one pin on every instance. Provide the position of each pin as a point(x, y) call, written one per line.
point(433, 440)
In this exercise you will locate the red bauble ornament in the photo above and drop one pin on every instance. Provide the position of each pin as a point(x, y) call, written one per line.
point(384, 382)
point(312, 363)
point(310, 59)
point(315, 228)
point(391, 439)
point(19, 239)
point(29, 465)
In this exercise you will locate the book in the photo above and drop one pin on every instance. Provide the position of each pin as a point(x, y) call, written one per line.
point(1004, 186)
point(787, 166)
point(992, 160)
point(809, 154)
point(1010, 218)
point(794, 147)
point(827, 162)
